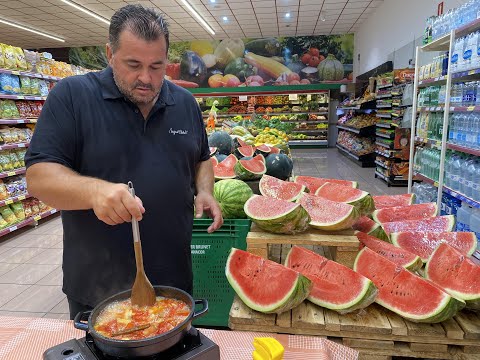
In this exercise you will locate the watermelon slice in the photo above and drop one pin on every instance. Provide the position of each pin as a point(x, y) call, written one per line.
point(214, 161)
point(335, 286)
point(264, 285)
point(277, 216)
point(328, 215)
point(265, 149)
point(386, 201)
point(409, 212)
point(424, 243)
point(434, 224)
point(397, 255)
point(347, 194)
point(239, 142)
point(246, 151)
point(250, 169)
point(370, 227)
point(275, 150)
point(259, 157)
point(224, 170)
point(283, 190)
point(456, 273)
point(313, 183)
point(213, 150)
point(404, 293)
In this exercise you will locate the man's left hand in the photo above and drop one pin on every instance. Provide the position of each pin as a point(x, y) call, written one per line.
point(205, 202)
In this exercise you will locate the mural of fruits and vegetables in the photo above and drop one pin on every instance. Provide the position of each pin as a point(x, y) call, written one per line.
point(260, 62)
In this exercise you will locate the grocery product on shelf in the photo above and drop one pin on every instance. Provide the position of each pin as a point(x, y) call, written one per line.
point(355, 144)
point(358, 121)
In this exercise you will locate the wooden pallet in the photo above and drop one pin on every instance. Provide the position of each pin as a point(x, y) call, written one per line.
point(375, 331)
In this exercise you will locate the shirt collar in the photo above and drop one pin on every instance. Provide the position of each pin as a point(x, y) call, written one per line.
point(111, 91)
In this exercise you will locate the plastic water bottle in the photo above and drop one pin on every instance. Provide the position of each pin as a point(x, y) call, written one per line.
point(475, 223)
point(475, 59)
point(476, 185)
point(457, 56)
point(456, 171)
point(456, 95)
point(452, 128)
point(464, 182)
point(470, 178)
point(477, 84)
point(442, 94)
point(463, 218)
point(448, 168)
point(475, 130)
point(471, 135)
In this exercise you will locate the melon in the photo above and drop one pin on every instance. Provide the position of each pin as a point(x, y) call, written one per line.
point(328, 215)
point(246, 151)
point(263, 149)
point(401, 257)
point(277, 216)
point(313, 183)
point(330, 69)
point(214, 161)
point(370, 227)
point(456, 273)
point(409, 212)
point(275, 150)
point(220, 157)
point(224, 170)
point(386, 201)
point(239, 142)
point(213, 150)
point(434, 224)
point(346, 194)
point(284, 190)
point(404, 293)
point(264, 285)
point(335, 286)
point(259, 157)
point(424, 243)
point(222, 141)
point(279, 166)
point(249, 169)
point(231, 195)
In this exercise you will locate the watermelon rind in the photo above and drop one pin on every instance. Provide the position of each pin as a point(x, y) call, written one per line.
point(247, 174)
point(370, 227)
point(398, 213)
point(422, 224)
point(313, 183)
point(245, 151)
point(273, 192)
point(363, 202)
point(296, 294)
point(293, 221)
point(228, 163)
point(446, 308)
point(231, 195)
point(459, 271)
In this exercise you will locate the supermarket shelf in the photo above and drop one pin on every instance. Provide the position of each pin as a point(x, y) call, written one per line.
point(432, 108)
point(384, 116)
point(369, 105)
point(433, 143)
point(14, 146)
point(384, 125)
point(391, 136)
point(269, 114)
point(309, 131)
point(381, 164)
point(452, 108)
point(308, 121)
point(384, 106)
point(440, 44)
point(391, 181)
point(28, 221)
point(17, 121)
point(365, 160)
point(22, 97)
point(308, 143)
point(465, 74)
point(29, 74)
point(384, 86)
point(463, 149)
point(461, 197)
point(208, 107)
point(434, 81)
point(425, 179)
point(384, 96)
point(384, 145)
point(384, 153)
point(13, 173)
point(15, 199)
point(367, 130)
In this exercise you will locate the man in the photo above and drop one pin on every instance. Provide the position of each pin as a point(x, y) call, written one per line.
point(101, 130)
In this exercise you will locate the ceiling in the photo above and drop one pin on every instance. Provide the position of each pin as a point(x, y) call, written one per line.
point(246, 18)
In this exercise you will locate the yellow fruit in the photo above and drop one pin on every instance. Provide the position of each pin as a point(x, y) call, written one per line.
point(202, 47)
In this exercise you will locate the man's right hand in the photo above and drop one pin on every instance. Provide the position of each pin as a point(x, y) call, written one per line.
point(113, 204)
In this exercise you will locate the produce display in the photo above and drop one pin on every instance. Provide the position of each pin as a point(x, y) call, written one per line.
point(279, 166)
point(346, 194)
point(313, 183)
point(409, 212)
point(232, 194)
point(251, 169)
point(225, 169)
point(387, 201)
point(368, 226)
point(273, 187)
point(358, 121)
point(439, 223)
point(355, 144)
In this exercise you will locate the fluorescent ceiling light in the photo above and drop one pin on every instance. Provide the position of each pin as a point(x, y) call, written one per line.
point(86, 11)
point(197, 15)
point(31, 30)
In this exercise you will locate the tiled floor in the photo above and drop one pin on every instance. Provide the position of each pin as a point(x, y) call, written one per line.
point(30, 263)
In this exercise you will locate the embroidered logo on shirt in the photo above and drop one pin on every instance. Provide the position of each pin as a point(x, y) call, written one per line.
point(178, 132)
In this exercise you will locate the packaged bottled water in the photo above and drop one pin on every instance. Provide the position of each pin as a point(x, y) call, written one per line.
point(469, 96)
point(475, 223)
point(477, 85)
point(457, 56)
point(470, 177)
point(463, 217)
point(442, 94)
point(476, 186)
point(457, 94)
point(448, 168)
point(456, 171)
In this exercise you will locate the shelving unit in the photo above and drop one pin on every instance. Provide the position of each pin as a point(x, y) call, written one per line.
point(366, 160)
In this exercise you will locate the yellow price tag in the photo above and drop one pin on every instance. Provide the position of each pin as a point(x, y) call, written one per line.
point(11, 173)
point(15, 72)
point(435, 184)
point(22, 197)
point(20, 97)
point(470, 108)
point(36, 218)
point(471, 72)
point(9, 201)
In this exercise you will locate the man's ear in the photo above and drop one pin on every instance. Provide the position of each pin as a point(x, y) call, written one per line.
point(109, 53)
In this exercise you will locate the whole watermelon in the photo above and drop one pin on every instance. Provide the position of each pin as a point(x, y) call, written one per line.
point(279, 166)
point(222, 141)
point(330, 69)
point(232, 195)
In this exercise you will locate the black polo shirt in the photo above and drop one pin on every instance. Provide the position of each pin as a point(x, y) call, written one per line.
point(87, 125)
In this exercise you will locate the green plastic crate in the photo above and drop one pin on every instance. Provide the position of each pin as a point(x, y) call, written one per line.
point(209, 257)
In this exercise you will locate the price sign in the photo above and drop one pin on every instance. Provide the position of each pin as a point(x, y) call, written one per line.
point(20, 97)
point(471, 72)
point(309, 97)
point(22, 197)
point(293, 97)
point(15, 72)
point(11, 173)
point(36, 218)
point(53, 211)
point(9, 201)
point(13, 228)
point(243, 98)
point(470, 108)
point(20, 121)
point(21, 145)
point(435, 184)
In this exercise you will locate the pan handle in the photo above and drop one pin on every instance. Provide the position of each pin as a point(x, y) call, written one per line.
point(204, 309)
point(77, 322)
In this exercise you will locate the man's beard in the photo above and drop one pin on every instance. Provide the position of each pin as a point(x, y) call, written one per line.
point(128, 91)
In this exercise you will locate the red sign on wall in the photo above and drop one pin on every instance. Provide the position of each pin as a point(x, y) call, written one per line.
point(440, 9)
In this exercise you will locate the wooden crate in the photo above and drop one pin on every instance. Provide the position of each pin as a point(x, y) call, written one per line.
point(375, 332)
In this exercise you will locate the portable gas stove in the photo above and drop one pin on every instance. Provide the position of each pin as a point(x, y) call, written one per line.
point(193, 346)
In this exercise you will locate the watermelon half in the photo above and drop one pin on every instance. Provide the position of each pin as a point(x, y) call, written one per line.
point(456, 273)
point(409, 212)
point(313, 183)
point(434, 224)
point(424, 243)
point(250, 169)
point(328, 215)
point(283, 190)
point(277, 216)
point(246, 151)
point(263, 149)
point(224, 169)
point(259, 157)
point(214, 161)
point(370, 227)
point(404, 293)
point(264, 285)
point(387, 201)
point(335, 286)
point(347, 194)
point(231, 195)
point(401, 257)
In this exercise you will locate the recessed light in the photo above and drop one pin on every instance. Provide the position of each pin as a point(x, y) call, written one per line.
point(322, 16)
point(287, 15)
point(225, 18)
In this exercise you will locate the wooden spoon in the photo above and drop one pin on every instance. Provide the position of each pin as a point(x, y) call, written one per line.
point(131, 330)
point(143, 293)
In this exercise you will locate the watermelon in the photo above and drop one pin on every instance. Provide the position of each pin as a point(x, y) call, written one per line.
point(239, 142)
point(263, 149)
point(370, 227)
point(399, 256)
point(386, 201)
point(409, 212)
point(434, 224)
point(424, 243)
point(284, 190)
point(249, 169)
point(213, 150)
point(279, 165)
point(328, 215)
point(346, 194)
point(275, 150)
point(335, 286)
point(313, 183)
point(247, 151)
point(224, 170)
point(456, 273)
point(231, 195)
point(220, 157)
point(404, 293)
point(264, 285)
point(214, 161)
point(222, 141)
point(277, 216)
point(259, 157)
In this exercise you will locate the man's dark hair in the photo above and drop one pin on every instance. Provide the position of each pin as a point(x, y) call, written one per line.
point(145, 23)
